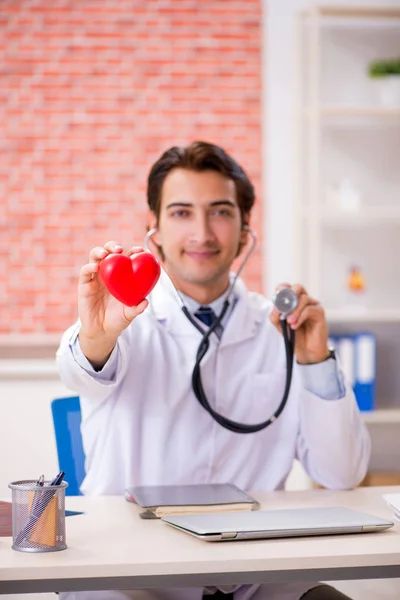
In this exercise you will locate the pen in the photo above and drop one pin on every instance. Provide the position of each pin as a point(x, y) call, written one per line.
point(38, 495)
point(58, 478)
point(39, 507)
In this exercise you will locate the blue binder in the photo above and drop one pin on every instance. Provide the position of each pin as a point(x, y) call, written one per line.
point(365, 370)
point(357, 356)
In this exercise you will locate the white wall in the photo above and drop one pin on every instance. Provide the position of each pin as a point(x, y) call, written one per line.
point(27, 444)
point(279, 134)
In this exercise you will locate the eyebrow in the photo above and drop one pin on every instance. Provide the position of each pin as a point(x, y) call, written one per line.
point(216, 203)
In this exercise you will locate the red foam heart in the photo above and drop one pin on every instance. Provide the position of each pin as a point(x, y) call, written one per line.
point(130, 278)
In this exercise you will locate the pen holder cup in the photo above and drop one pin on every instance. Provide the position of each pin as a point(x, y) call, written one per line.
point(38, 516)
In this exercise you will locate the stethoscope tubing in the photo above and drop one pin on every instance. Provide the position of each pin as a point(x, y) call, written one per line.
point(197, 384)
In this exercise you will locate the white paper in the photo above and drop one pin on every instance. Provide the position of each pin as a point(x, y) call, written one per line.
point(365, 359)
point(393, 500)
point(346, 357)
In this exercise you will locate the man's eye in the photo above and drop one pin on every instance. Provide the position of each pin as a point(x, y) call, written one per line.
point(180, 213)
point(223, 212)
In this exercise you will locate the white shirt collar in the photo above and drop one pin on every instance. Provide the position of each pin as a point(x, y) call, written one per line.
point(216, 305)
point(249, 312)
point(165, 289)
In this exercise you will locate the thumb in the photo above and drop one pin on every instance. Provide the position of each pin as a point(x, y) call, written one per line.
point(275, 318)
point(131, 312)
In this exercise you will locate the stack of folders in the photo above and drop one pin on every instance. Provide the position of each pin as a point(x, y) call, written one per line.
point(160, 500)
point(357, 356)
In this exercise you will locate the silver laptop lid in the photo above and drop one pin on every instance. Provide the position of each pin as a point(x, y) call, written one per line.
point(279, 523)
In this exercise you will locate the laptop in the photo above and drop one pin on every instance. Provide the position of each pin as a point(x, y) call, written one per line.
point(268, 524)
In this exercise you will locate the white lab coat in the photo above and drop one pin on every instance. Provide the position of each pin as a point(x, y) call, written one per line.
point(142, 424)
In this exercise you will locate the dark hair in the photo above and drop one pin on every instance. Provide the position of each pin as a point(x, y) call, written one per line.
point(199, 156)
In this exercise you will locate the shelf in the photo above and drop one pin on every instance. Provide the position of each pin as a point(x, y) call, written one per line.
point(365, 216)
point(354, 111)
point(355, 12)
point(373, 215)
point(19, 369)
point(382, 416)
point(343, 315)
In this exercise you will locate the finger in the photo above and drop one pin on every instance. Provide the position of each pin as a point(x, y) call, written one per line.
point(303, 301)
point(97, 254)
point(312, 313)
point(130, 312)
point(134, 250)
point(88, 272)
point(281, 286)
point(275, 318)
point(113, 246)
point(299, 289)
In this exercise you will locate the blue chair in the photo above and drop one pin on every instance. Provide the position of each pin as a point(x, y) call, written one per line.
point(67, 428)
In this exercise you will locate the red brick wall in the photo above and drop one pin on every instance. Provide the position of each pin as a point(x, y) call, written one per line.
point(91, 92)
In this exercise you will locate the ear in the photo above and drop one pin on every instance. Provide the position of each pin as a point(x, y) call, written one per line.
point(155, 238)
point(153, 224)
point(244, 233)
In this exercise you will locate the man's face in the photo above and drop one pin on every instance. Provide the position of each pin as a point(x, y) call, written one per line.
point(200, 229)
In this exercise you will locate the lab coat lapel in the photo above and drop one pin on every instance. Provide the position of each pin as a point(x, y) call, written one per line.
point(167, 308)
point(245, 319)
point(243, 322)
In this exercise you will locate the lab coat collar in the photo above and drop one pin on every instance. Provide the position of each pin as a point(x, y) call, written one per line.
point(242, 324)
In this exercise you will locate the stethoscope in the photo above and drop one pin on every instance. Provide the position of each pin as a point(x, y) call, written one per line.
point(285, 301)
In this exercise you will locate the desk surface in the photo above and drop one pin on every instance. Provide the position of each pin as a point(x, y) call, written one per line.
point(110, 547)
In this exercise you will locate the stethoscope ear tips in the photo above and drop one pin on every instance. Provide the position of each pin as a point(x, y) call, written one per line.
point(285, 301)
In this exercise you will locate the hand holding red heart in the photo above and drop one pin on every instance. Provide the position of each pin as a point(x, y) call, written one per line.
point(103, 317)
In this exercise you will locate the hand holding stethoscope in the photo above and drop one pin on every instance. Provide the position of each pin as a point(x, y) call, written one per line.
point(293, 311)
point(306, 318)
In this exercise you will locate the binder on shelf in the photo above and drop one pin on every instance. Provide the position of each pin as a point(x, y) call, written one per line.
point(357, 356)
point(346, 350)
point(365, 370)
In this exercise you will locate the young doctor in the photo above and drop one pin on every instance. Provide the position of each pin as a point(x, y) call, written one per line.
point(132, 367)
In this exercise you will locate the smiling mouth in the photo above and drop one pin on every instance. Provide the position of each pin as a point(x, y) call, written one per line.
point(204, 255)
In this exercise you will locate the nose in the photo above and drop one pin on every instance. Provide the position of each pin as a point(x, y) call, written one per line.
point(202, 232)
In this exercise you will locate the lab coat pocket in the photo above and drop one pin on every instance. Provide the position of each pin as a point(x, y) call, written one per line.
point(266, 395)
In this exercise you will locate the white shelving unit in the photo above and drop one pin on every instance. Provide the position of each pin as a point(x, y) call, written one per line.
point(345, 134)
point(356, 111)
point(359, 315)
point(382, 417)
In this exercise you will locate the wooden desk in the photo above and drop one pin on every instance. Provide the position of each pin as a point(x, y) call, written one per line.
point(110, 547)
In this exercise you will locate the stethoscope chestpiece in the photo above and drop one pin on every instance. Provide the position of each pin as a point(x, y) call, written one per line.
point(285, 301)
